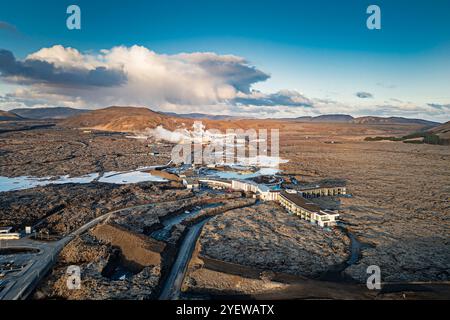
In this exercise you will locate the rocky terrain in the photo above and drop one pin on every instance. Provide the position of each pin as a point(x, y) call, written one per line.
point(268, 238)
point(57, 152)
point(400, 204)
point(60, 209)
point(147, 219)
point(95, 257)
point(398, 210)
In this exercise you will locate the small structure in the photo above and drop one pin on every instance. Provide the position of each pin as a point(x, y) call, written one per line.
point(322, 191)
point(296, 204)
point(6, 234)
point(191, 183)
point(4, 230)
point(28, 230)
point(216, 183)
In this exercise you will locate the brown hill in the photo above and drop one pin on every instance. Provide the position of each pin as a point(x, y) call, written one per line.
point(133, 119)
point(9, 116)
point(443, 130)
point(48, 113)
point(392, 120)
point(333, 118)
point(125, 119)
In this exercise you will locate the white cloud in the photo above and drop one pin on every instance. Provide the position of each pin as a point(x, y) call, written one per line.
point(132, 75)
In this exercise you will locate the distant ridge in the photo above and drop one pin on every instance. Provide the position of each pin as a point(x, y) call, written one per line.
point(9, 116)
point(392, 120)
point(344, 118)
point(443, 130)
point(48, 113)
point(134, 119)
point(327, 118)
point(204, 116)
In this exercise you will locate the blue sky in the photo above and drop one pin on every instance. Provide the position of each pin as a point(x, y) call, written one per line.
point(320, 50)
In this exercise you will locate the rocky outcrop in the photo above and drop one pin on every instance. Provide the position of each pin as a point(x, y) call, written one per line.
point(137, 251)
point(62, 209)
point(94, 256)
point(148, 219)
point(266, 237)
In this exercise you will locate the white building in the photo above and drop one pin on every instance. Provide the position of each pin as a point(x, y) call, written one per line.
point(191, 183)
point(6, 234)
point(216, 184)
point(306, 210)
point(262, 191)
point(4, 230)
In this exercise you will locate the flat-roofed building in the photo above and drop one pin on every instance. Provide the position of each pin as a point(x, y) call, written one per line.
point(242, 185)
point(322, 191)
point(216, 183)
point(10, 236)
point(262, 191)
point(191, 183)
point(6, 234)
point(296, 204)
point(5, 230)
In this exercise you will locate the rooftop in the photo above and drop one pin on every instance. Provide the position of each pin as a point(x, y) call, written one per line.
point(5, 229)
point(300, 201)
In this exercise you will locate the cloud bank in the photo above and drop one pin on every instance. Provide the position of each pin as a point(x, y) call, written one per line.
point(135, 75)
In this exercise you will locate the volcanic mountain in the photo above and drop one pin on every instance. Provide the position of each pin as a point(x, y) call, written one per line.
point(125, 119)
point(327, 118)
point(443, 131)
point(48, 113)
point(392, 120)
point(9, 116)
point(133, 119)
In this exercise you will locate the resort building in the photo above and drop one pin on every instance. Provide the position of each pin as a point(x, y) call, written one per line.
point(321, 191)
point(296, 204)
point(215, 183)
point(262, 191)
point(191, 183)
point(6, 234)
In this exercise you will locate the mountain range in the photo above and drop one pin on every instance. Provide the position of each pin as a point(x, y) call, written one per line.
point(47, 113)
point(344, 118)
point(9, 116)
point(135, 119)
